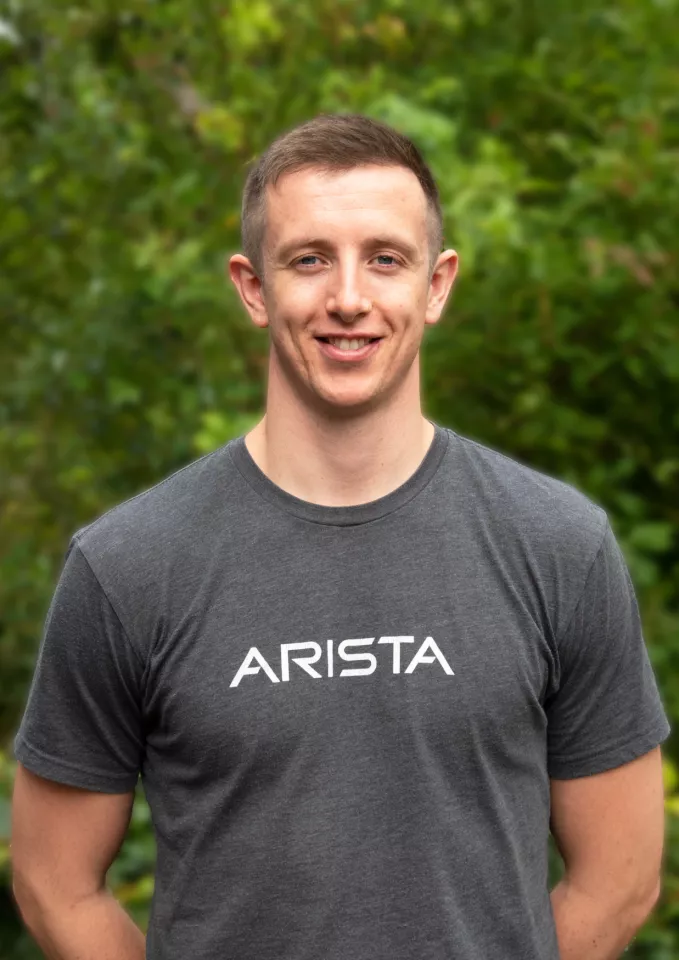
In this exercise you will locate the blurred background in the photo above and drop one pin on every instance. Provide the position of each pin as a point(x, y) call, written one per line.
point(125, 131)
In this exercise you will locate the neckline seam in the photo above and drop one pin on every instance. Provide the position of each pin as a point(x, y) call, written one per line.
point(272, 497)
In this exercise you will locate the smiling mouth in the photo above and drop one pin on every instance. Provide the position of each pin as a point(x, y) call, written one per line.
point(348, 343)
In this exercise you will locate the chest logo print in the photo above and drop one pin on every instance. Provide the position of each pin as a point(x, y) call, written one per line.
point(255, 663)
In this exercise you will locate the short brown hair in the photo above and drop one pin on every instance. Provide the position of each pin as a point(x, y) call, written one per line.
point(332, 142)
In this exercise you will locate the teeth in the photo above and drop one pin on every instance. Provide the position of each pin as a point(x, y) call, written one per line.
point(345, 344)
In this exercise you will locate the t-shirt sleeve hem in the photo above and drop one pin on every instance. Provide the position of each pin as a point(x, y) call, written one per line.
point(608, 758)
point(61, 771)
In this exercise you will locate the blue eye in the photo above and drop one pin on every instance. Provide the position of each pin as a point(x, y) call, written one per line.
point(309, 256)
point(387, 256)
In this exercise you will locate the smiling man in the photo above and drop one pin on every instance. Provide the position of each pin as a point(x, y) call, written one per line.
point(346, 280)
point(363, 664)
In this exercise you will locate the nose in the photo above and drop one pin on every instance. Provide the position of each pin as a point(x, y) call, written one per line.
point(347, 300)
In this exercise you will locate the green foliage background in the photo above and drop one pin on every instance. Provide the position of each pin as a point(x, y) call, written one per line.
point(125, 128)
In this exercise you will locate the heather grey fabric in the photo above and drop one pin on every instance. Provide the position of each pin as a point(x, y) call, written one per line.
point(345, 718)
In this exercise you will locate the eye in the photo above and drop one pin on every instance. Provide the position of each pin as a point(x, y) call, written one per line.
point(382, 257)
point(304, 261)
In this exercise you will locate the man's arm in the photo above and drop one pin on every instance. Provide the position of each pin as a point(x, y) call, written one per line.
point(64, 839)
point(609, 829)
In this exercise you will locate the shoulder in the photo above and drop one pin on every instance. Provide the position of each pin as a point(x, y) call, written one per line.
point(525, 504)
point(148, 529)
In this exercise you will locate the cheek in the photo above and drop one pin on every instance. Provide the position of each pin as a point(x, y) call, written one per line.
point(406, 311)
point(406, 295)
point(296, 304)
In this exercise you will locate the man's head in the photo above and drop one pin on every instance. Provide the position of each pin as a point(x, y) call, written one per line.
point(342, 233)
point(336, 144)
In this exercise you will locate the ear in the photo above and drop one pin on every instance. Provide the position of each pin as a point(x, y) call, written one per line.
point(442, 279)
point(250, 289)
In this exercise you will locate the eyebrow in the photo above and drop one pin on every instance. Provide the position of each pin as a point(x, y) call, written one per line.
point(407, 249)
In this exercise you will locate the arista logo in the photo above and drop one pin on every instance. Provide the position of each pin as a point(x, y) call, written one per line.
point(254, 661)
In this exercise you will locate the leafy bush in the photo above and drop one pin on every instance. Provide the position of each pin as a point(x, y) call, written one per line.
point(553, 130)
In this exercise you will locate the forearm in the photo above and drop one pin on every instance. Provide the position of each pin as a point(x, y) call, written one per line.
point(588, 928)
point(95, 928)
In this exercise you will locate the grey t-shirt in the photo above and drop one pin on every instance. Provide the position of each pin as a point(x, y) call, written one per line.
point(345, 718)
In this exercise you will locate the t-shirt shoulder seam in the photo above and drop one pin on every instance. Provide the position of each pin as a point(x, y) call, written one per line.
point(144, 493)
point(118, 617)
point(503, 456)
point(590, 568)
point(525, 466)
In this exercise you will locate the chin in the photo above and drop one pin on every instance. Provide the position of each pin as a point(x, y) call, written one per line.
point(347, 405)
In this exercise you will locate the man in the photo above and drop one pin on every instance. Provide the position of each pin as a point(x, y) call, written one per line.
point(362, 663)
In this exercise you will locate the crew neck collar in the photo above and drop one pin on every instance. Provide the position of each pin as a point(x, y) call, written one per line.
point(340, 516)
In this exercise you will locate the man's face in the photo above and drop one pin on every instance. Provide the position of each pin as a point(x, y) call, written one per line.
point(346, 259)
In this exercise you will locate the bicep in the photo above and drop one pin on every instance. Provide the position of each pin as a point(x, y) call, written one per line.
point(64, 838)
point(609, 828)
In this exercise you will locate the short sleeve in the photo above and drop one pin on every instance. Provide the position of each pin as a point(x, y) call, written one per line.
point(607, 710)
point(82, 723)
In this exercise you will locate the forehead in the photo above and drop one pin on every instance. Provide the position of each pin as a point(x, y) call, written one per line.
point(346, 204)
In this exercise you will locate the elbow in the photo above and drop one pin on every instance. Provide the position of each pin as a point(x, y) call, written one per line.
point(652, 900)
point(32, 900)
point(645, 903)
point(26, 898)
point(631, 903)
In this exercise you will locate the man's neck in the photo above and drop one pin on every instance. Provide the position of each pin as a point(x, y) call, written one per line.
point(340, 463)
